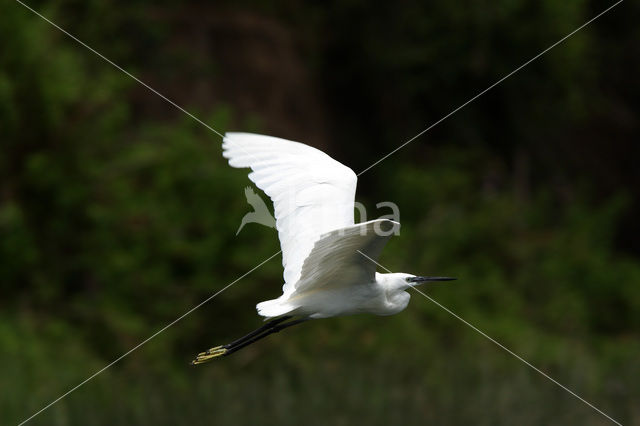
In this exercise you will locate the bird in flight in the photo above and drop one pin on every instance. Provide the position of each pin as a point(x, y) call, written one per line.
point(328, 259)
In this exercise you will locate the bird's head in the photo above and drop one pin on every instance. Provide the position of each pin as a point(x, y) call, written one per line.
point(395, 286)
point(400, 281)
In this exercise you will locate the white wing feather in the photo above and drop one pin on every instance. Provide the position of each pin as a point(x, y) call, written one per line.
point(336, 274)
point(312, 193)
point(343, 257)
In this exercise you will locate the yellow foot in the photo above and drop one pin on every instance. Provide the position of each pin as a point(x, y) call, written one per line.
point(209, 354)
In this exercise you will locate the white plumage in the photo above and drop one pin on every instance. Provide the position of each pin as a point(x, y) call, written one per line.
point(313, 195)
point(328, 260)
point(311, 192)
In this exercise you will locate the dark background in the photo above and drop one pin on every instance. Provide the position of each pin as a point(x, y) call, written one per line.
point(118, 213)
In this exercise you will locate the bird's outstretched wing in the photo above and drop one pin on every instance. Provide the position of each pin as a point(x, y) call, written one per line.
point(338, 257)
point(312, 193)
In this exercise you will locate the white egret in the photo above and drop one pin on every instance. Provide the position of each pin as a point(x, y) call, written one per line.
point(326, 273)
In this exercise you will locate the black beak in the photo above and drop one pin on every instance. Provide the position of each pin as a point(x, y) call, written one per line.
point(428, 279)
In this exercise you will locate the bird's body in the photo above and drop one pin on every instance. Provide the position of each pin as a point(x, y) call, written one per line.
point(373, 297)
point(337, 279)
point(329, 261)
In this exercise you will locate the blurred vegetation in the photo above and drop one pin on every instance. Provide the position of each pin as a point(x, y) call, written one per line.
point(118, 214)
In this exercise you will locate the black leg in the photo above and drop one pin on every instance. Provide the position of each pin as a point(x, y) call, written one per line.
point(271, 327)
point(265, 327)
point(272, 330)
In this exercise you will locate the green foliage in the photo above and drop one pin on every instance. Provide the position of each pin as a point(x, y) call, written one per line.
point(527, 257)
point(114, 222)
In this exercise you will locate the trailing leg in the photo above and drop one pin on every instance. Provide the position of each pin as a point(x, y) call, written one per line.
point(271, 327)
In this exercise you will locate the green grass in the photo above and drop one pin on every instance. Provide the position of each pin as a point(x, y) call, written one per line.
point(380, 374)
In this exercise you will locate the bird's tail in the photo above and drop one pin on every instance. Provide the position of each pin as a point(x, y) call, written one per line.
point(274, 308)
